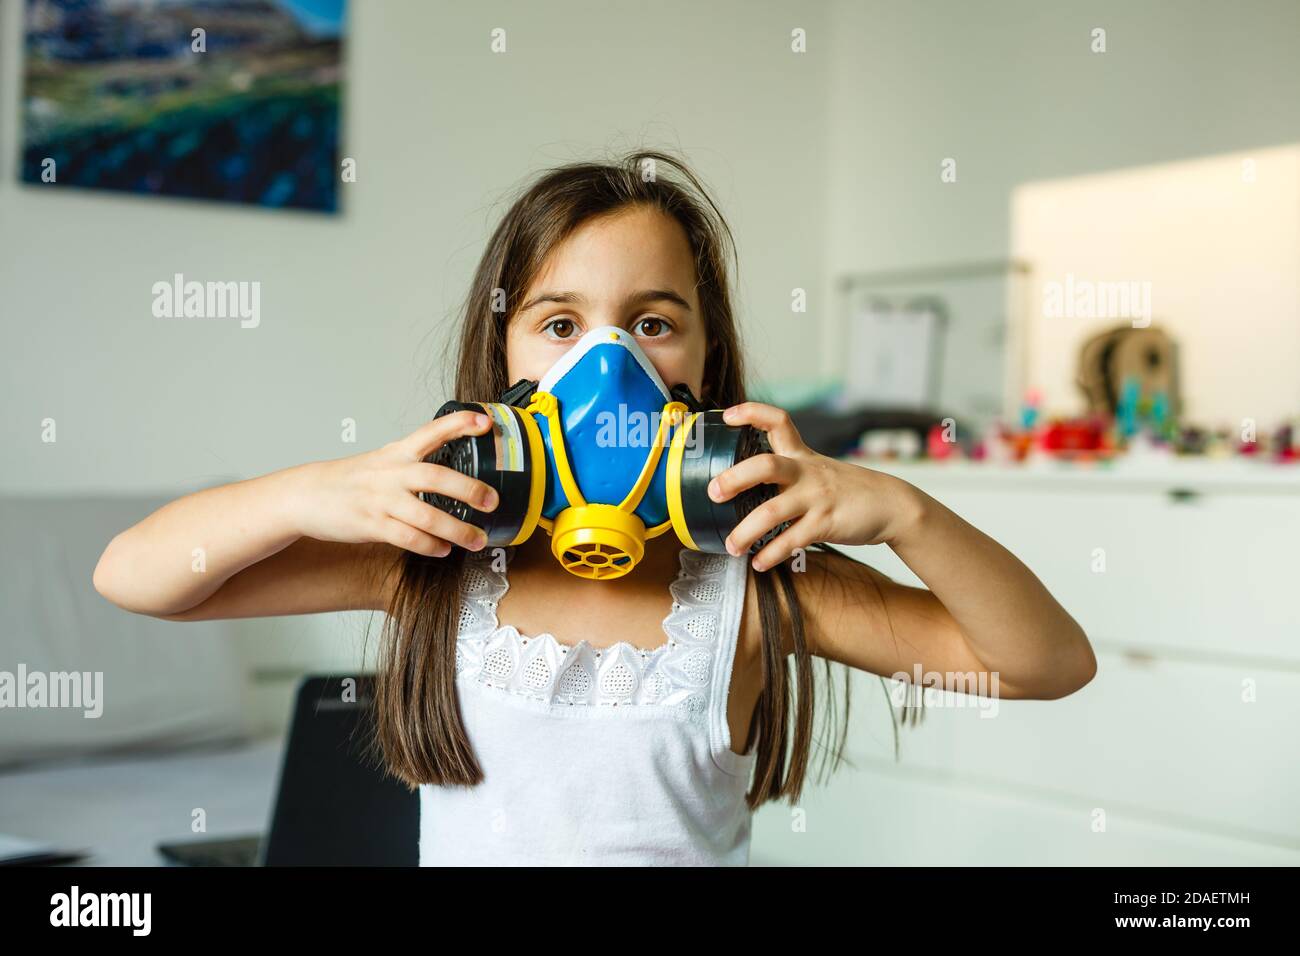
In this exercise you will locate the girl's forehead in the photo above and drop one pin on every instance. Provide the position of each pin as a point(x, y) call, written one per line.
point(633, 244)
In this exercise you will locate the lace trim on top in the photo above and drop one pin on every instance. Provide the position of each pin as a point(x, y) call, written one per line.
point(676, 674)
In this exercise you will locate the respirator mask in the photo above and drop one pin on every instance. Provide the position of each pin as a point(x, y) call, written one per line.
point(602, 456)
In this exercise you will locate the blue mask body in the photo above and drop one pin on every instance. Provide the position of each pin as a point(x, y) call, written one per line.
point(610, 401)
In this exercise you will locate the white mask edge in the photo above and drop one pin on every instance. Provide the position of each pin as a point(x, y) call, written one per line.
point(603, 335)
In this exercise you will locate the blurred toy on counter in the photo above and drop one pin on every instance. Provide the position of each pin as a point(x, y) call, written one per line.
point(1126, 413)
point(1077, 438)
point(1139, 412)
point(1029, 409)
point(1146, 446)
point(1142, 425)
point(948, 440)
point(939, 445)
point(1286, 443)
point(1091, 438)
point(1121, 365)
point(901, 444)
point(1130, 374)
point(1191, 441)
point(1219, 444)
point(1161, 420)
point(994, 445)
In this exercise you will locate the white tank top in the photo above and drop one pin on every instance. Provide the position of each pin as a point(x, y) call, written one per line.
point(612, 756)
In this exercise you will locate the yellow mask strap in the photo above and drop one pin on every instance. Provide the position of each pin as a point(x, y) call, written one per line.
point(671, 416)
point(546, 405)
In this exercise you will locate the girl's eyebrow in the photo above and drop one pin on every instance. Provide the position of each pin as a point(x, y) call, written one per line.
point(636, 298)
point(551, 297)
point(658, 295)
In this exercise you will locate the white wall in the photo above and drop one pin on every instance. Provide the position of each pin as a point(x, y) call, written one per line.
point(1012, 91)
point(1213, 247)
point(355, 308)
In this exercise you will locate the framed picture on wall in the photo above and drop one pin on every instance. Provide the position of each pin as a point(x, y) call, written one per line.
point(895, 351)
point(937, 337)
point(221, 99)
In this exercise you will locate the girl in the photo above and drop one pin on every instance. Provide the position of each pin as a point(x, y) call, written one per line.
point(551, 719)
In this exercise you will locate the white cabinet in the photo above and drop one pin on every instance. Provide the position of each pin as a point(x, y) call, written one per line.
point(1184, 747)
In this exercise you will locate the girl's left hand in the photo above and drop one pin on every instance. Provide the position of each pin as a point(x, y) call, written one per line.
point(824, 499)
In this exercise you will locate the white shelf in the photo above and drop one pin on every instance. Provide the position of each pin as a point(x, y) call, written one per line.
point(1127, 474)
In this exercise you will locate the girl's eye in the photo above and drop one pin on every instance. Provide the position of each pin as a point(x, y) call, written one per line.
point(651, 327)
point(559, 328)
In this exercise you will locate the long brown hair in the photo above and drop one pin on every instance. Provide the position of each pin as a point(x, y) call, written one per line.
point(418, 717)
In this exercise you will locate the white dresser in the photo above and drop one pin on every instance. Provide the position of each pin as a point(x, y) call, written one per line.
point(1183, 750)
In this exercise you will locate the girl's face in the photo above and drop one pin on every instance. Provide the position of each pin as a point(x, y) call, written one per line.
point(632, 269)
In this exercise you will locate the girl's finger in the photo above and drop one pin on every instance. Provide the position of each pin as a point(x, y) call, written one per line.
point(781, 433)
point(402, 535)
point(410, 510)
point(425, 476)
point(784, 507)
point(759, 470)
point(801, 534)
point(428, 438)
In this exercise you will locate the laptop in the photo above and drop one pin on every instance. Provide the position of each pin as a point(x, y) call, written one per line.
point(335, 806)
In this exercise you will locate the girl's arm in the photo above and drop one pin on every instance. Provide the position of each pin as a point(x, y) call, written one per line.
point(317, 537)
point(985, 613)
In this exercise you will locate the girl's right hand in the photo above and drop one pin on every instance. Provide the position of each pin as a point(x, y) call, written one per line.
point(374, 497)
